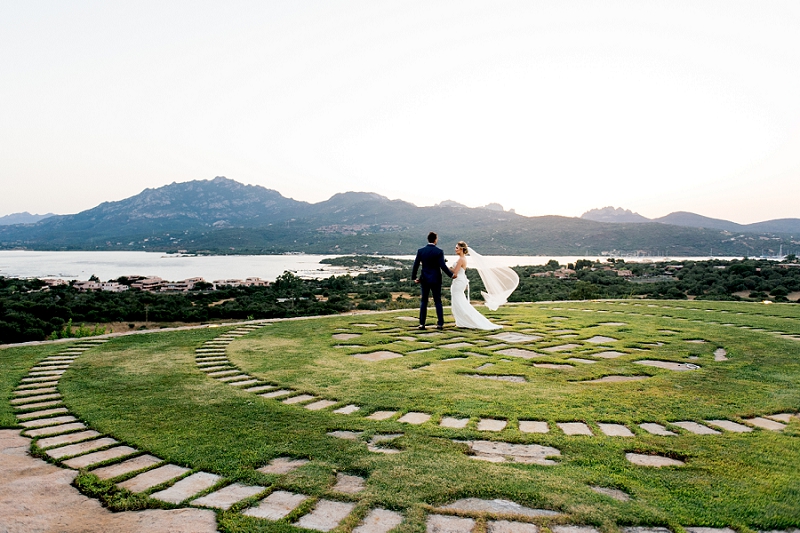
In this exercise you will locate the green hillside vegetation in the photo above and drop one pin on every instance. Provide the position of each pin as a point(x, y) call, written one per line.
point(31, 311)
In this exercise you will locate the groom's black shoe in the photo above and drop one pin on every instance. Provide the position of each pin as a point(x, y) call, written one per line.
point(421, 326)
point(439, 326)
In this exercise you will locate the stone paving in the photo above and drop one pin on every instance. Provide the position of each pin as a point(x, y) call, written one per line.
point(66, 439)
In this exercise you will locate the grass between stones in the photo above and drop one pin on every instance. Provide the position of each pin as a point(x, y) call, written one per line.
point(147, 392)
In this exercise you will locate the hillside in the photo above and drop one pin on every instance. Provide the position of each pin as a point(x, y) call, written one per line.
point(224, 216)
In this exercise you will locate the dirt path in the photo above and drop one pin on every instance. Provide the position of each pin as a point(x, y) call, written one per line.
point(37, 497)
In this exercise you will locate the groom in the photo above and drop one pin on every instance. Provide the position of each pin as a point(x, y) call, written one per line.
point(430, 281)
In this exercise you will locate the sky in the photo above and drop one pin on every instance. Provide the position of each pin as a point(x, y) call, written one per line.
point(548, 108)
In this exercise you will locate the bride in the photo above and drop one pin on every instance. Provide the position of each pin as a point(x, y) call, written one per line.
point(500, 282)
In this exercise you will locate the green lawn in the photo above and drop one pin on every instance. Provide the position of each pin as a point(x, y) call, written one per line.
point(147, 391)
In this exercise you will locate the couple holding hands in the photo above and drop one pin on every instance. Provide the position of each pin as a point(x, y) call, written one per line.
point(499, 282)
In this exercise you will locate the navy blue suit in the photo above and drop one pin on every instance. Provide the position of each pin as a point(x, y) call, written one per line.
point(432, 260)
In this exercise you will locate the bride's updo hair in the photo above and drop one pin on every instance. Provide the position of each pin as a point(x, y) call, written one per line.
point(463, 246)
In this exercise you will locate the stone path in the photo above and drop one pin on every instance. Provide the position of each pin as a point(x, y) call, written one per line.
point(65, 438)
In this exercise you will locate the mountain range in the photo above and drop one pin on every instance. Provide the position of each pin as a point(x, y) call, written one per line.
point(224, 216)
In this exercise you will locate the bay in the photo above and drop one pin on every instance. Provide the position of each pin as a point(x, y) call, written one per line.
point(112, 265)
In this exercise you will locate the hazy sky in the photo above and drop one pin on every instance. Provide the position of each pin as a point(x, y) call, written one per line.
point(545, 107)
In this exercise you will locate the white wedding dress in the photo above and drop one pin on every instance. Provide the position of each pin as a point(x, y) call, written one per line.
point(465, 315)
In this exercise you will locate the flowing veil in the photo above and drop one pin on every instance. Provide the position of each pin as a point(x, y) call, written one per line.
point(500, 281)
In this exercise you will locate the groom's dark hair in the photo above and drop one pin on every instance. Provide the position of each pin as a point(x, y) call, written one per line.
point(432, 237)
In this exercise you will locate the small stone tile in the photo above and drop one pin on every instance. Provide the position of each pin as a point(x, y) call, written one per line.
point(240, 377)
point(277, 393)
point(37, 385)
point(617, 494)
point(455, 345)
point(34, 399)
point(298, 399)
point(326, 515)
point(38, 405)
point(727, 425)
point(282, 465)
point(48, 421)
point(765, 423)
point(414, 418)
point(615, 430)
point(53, 430)
point(533, 426)
point(519, 352)
point(455, 423)
point(215, 368)
point(35, 392)
point(379, 521)
point(126, 467)
point(344, 434)
point(243, 383)
point(83, 447)
point(581, 360)
point(694, 427)
point(151, 478)
point(780, 417)
point(656, 461)
point(608, 354)
point(348, 484)
point(347, 409)
point(381, 355)
point(574, 428)
point(89, 459)
point(710, 530)
point(491, 424)
point(41, 414)
point(507, 526)
point(276, 506)
point(221, 373)
point(260, 388)
point(560, 348)
point(321, 404)
point(382, 415)
point(656, 429)
point(345, 336)
point(600, 339)
point(187, 487)
point(438, 523)
point(225, 497)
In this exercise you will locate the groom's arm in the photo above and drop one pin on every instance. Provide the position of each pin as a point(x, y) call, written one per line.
point(416, 267)
point(444, 267)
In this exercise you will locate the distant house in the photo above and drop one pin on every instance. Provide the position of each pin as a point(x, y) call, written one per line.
point(624, 273)
point(108, 286)
point(151, 284)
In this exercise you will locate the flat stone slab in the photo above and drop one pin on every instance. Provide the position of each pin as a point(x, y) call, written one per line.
point(600, 339)
point(83, 447)
point(242, 383)
point(668, 365)
point(608, 354)
point(33, 399)
point(151, 478)
point(225, 497)
point(126, 467)
point(37, 385)
point(485, 366)
point(41, 414)
point(379, 521)
point(321, 404)
point(214, 368)
point(414, 418)
point(509, 378)
point(510, 336)
point(344, 434)
point(438, 523)
point(506, 526)
point(282, 465)
point(765, 423)
point(656, 461)
point(519, 352)
point(345, 336)
point(348, 484)
point(720, 354)
point(90, 459)
point(694, 427)
point(224, 373)
point(187, 487)
point(260, 388)
point(780, 417)
point(298, 399)
point(491, 424)
point(55, 430)
point(520, 453)
point(560, 348)
point(616, 379)
point(582, 361)
point(326, 515)
point(553, 366)
point(656, 429)
point(240, 377)
point(276, 506)
point(382, 415)
point(347, 409)
point(365, 325)
point(34, 392)
point(455, 423)
point(533, 426)
point(574, 428)
point(477, 505)
point(423, 350)
point(41, 422)
point(277, 393)
point(38, 405)
point(727, 425)
point(381, 355)
point(612, 324)
point(615, 430)
point(696, 341)
point(616, 494)
point(69, 438)
point(454, 345)
point(710, 530)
